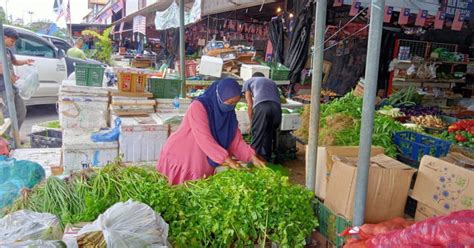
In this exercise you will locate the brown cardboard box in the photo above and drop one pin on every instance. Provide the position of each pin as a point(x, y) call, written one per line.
point(387, 191)
point(325, 163)
point(444, 186)
point(424, 212)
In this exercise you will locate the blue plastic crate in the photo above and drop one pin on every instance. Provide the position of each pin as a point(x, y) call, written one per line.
point(414, 146)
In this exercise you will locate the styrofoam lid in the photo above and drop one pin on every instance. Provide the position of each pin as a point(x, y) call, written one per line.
point(150, 120)
point(263, 67)
point(211, 59)
point(76, 138)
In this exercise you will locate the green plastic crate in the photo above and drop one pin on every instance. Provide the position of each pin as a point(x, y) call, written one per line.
point(164, 88)
point(89, 75)
point(278, 71)
point(330, 224)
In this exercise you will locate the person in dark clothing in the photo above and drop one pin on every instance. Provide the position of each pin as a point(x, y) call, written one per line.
point(264, 110)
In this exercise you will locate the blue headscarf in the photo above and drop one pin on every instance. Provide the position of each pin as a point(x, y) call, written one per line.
point(222, 119)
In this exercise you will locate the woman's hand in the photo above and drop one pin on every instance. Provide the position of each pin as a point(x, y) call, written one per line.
point(231, 163)
point(258, 161)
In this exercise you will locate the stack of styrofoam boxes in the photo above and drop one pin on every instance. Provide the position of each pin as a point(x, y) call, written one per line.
point(166, 109)
point(141, 138)
point(83, 111)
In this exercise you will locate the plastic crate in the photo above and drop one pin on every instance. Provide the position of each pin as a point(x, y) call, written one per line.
point(330, 224)
point(164, 88)
point(414, 145)
point(89, 75)
point(277, 71)
point(46, 139)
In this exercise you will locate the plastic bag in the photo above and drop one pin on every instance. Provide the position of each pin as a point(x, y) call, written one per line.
point(36, 244)
point(29, 84)
point(454, 230)
point(27, 225)
point(8, 193)
point(130, 224)
point(108, 136)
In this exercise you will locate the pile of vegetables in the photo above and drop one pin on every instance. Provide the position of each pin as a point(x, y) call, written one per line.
point(429, 121)
point(234, 208)
point(340, 124)
point(404, 97)
point(461, 133)
point(420, 111)
point(390, 111)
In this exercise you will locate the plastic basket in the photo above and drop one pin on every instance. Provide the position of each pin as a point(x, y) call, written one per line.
point(190, 68)
point(414, 145)
point(330, 224)
point(89, 75)
point(277, 71)
point(164, 88)
point(46, 139)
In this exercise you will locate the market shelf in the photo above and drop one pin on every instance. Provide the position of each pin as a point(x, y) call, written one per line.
point(430, 80)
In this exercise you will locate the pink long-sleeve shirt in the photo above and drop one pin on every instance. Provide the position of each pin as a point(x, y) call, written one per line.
point(184, 156)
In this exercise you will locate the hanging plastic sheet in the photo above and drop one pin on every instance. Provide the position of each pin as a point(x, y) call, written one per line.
point(169, 18)
point(299, 45)
point(276, 37)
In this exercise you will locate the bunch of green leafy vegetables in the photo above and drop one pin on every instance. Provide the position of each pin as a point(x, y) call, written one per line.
point(233, 208)
point(351, 106)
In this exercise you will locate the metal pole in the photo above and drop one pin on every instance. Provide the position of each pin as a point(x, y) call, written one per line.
point(9, 89)
point(182, 48)
point(318, 54)
point(368, 108)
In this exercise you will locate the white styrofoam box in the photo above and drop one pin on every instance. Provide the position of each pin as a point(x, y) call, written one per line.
point(46, 157)
point(83, 112)
point(66, 89)
point(165, 105)
point(141, 138)
point(290, 122)
point(211, 66)
point(78, 148)
point(246, 71)
point(244, 121)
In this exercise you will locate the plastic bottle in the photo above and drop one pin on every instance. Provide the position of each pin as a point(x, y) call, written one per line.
point(176, 104)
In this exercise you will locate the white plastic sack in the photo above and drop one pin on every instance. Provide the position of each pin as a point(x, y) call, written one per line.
point(130, 224)
point(27, 225)
point(29, 84)
point(169, 18)
point(36, 243)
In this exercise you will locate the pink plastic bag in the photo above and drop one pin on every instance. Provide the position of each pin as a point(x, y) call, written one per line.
point(454, 230)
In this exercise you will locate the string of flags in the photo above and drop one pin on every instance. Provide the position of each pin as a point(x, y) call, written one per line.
point(405, 13)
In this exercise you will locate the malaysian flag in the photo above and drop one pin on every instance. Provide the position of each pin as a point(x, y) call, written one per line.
point(421, 17)
point(354, 8)
point(337, 3)
point(404, 14)
point(439, 20)
point(117, 6)
point(458, 21)
point(388, 11)
point(139, 24)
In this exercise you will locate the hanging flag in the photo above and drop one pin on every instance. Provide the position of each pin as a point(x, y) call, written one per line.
point(68, 11)
point(337, 3)
point(388, 11)
point(58, 8)
point(421, 17)
point(117, 6)
point(139, 24)
point(439, 20)
point(458, 21)
point(404, 14)
point(354, 8)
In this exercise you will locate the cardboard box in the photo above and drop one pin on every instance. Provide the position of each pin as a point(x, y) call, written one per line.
point(444, 186)
point(387, 191)
point(424, 212)
point(325, 163)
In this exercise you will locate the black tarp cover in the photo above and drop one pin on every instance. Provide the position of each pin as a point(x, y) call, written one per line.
point(277, 38)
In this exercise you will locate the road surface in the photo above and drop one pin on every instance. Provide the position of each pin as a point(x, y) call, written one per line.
point(37, 114)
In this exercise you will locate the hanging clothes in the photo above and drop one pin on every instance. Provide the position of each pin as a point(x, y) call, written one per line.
point(299, 45)
point(277, 38)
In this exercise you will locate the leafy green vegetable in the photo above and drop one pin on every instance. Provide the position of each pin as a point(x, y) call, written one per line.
point(234, 208)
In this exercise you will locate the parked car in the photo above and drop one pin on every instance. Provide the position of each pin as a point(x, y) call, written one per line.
point(60, 44)
point(52, 64)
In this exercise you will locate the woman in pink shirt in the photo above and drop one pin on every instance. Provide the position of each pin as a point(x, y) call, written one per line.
point(208, 137)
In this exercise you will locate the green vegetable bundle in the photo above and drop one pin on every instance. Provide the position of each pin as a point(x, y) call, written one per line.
point(340, 124)
point(235, 208)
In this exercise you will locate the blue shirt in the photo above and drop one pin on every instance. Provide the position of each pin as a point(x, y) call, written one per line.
point(263, 90)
